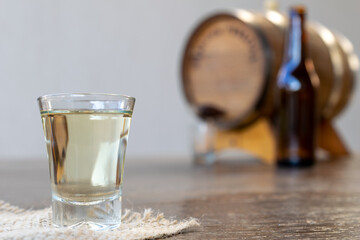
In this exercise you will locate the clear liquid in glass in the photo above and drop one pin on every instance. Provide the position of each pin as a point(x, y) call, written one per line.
point(86, 152)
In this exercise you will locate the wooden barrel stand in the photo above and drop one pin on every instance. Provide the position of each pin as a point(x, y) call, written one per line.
point(259, 140)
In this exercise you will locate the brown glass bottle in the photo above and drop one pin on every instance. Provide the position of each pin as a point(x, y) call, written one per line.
point(296, 98)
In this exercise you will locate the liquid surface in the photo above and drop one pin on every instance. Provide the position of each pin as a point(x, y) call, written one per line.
point(86, 152)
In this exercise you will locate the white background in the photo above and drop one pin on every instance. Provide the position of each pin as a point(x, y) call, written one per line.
point(124, 46)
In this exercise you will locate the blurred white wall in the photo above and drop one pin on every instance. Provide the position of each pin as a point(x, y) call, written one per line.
point(124, 46)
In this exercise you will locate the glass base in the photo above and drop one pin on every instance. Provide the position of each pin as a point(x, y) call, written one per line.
point(207, 159)
point(99, 215)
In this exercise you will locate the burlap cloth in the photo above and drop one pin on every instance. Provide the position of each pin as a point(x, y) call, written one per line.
point(17, 223)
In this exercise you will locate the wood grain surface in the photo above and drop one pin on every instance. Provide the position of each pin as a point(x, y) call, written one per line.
point(233, 200)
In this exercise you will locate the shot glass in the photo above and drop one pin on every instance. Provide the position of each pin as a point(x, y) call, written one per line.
point(86, 137)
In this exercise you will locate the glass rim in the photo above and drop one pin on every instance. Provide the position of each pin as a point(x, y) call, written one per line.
point(72, 96)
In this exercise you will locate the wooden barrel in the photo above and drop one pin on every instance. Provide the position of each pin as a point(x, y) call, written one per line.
point(231, 61)
point(342, 92)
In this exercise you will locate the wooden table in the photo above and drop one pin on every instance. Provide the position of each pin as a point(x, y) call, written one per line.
point(233, 200)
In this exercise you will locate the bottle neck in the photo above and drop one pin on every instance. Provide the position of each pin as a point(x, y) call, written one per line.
point(296, 46)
